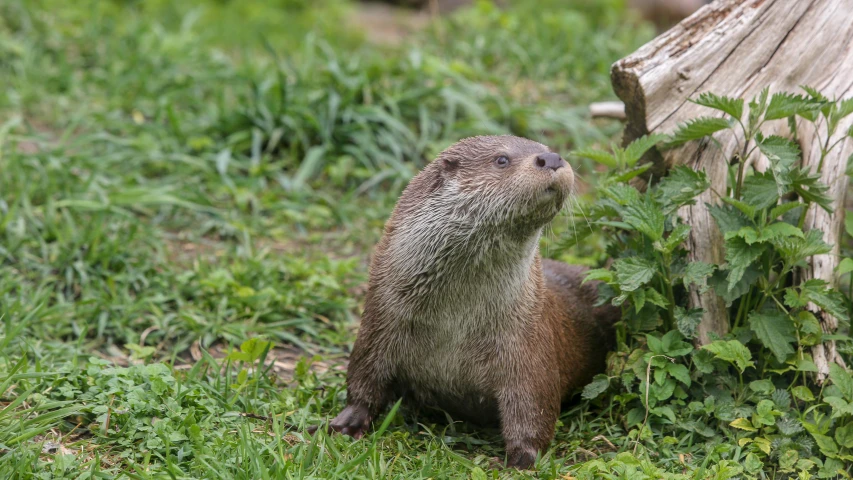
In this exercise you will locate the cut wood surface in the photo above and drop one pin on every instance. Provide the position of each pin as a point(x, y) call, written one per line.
point(736, 48)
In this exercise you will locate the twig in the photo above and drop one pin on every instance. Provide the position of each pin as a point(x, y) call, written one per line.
point(586, 452)
point(608, 442)
point(255, 416)
point(615, 110)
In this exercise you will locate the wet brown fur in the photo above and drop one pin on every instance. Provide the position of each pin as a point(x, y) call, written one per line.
point(461, 311)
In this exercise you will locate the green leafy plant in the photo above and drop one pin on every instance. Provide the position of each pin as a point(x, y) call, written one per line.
point(754, 385)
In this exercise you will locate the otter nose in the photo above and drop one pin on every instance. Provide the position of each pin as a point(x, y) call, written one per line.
point(549, 160)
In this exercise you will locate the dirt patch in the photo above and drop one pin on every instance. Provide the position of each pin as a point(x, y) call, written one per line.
point(386, 24)
point(183, 251)
point(284, 360)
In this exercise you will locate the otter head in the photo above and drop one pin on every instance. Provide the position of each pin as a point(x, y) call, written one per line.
point(508, 182)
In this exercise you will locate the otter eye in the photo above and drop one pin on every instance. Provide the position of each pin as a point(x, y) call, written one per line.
point(502, 161)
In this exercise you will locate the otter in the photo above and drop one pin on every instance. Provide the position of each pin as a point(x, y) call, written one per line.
point(462, 313)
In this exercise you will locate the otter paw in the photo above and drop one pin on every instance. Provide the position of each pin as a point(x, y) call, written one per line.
point(520, 456)
point(354, 421)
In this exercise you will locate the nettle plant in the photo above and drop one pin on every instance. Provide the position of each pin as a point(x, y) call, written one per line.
point(749, 397)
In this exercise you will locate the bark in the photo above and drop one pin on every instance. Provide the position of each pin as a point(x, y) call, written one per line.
point(736, 48)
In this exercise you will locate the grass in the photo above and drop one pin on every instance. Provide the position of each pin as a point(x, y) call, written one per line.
point(179, 184)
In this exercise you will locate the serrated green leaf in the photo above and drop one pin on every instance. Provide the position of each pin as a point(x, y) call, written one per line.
point(731, 351)
point(826, 444)
point(840, 407)
point(732, 106)
point(830, 300)
point(728, 219)
point(679, 372)
point(654, 344)
point(782, 209)
point(841, 378)
point(783, 154)
point(781, 398)
point(773, 231)
point(780, 149)
point(760, 191)
point(634, 172)
point(788, 459)
point(845, 108)
point(809, 187)
point(764, 413)
point(845, 267)
point(762, 386)
point(745, 208)
point(795, 249)
point(748, 234)
point(814, 93)
point(743, 424)
point(681, 186)
point(646, 217)
point(803, 393)
point(752, 463)
point(719, 282)
point(783, 104)
point(638, 298)
point(804, 365)
point(635, 150)
point(614, 224)
point(686, 321)
point(739, 256)
point(697, 128)
point(832, 468)
point(673, 345)
point(599, 274)
point(633, 272)
point(696, 273)
point(621, 194)
point(665, 391)
point(844, 435)
point(757, 107)
point(776, 332)
point(653, 297)
point(793, 299)
point(664, 412)
point(599, 385)
point(781, 230)
point(811, 332)
point(599, 156)
point(815, 96)
point(675, 238)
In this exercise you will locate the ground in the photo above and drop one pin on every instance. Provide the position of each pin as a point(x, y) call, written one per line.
point(188, 198)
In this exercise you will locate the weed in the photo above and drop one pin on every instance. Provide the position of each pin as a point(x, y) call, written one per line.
point(753, 388)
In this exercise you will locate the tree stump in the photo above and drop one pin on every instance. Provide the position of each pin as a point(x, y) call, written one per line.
point(736, 48)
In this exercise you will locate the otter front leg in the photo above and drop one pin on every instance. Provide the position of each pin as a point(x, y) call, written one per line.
point(367, 385)
point(354, 420)
point(528, 415)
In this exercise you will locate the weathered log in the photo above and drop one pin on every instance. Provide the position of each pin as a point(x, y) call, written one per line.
point(736, 48)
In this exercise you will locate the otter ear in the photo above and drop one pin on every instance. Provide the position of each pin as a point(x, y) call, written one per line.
point(450, 164)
